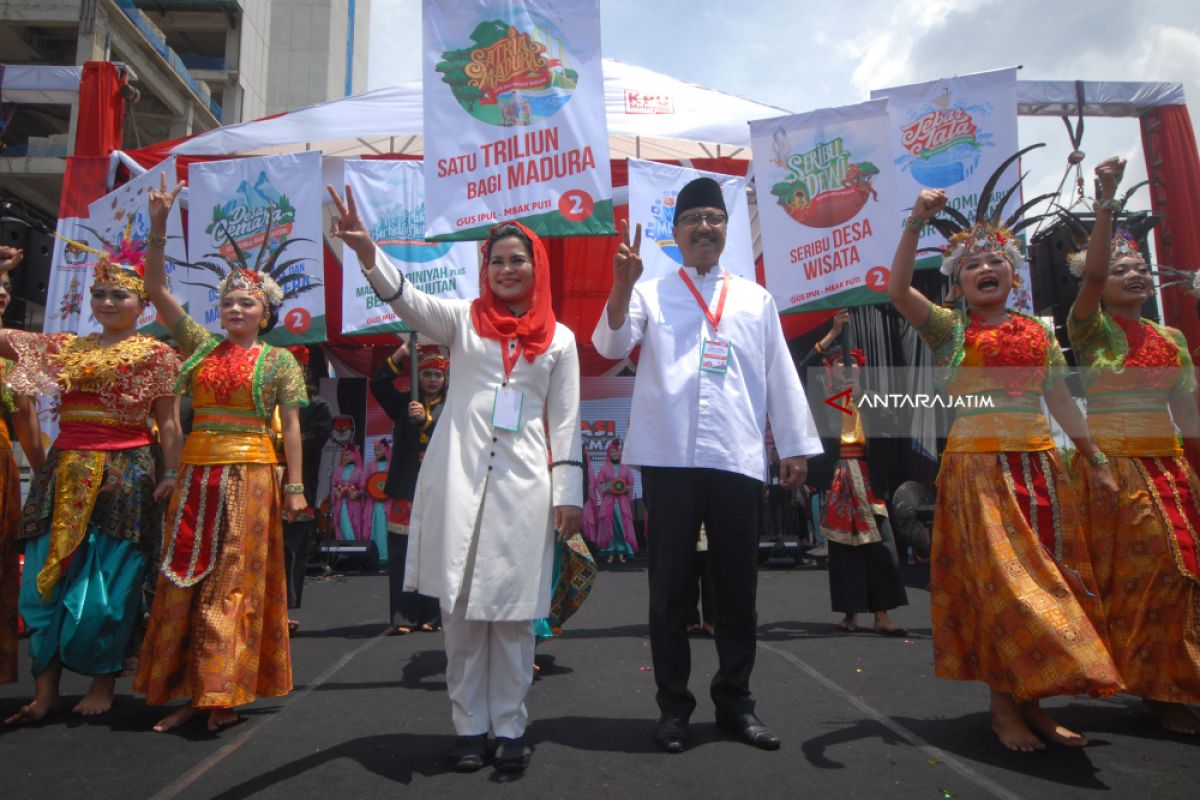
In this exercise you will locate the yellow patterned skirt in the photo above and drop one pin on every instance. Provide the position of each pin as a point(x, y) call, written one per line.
point(222, 640)
point(10, 579)
point(1010, 579)
point(1144, 554)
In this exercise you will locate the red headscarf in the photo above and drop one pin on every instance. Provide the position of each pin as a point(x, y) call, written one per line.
point(534, 330)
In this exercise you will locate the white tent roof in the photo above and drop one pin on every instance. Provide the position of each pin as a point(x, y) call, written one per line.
point(650, 115)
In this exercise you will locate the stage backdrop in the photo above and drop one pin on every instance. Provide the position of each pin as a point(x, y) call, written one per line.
point(123, 209)
point(827, 206)
point(951, 134)
point(514, 118)
point(391, 202)
point(652, 191)
point(267, 212)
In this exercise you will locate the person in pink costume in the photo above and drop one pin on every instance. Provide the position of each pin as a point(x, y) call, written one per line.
point(349, 492)
point(614, 483)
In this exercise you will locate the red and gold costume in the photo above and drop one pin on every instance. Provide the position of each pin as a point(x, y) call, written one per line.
point(10, 521)
point(1145, 554)
point(1010, 574)
point(218, 630)
point(90, 524)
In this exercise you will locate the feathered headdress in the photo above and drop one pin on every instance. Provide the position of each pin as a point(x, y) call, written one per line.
point(986, 233)
point(1124, 244)
point(121, 264)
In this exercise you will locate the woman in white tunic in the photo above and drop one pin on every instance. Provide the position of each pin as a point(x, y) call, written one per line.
point(492, 491)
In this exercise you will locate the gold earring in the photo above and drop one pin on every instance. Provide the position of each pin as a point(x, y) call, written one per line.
point(262, 324)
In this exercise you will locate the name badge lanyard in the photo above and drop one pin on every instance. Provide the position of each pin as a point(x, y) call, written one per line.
point(714, 319)
point(508, 406)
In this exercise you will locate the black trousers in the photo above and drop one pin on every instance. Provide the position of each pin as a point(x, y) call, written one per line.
point(296, 539)
point(866, 577)
point(408, 609)
point(678, 500)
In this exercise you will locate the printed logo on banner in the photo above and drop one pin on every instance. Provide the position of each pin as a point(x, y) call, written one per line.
point(661, 226)
point(252, 230)
point(823, 187)
point(598, 435)
point(510, 76)
point(646, 103)
point(942, 144)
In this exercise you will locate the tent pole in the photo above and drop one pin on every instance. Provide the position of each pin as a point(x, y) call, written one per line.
point(637, 146)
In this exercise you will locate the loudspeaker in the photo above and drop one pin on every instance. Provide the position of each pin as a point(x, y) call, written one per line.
point(13, 232)
point(363, 556)
point(31, 280)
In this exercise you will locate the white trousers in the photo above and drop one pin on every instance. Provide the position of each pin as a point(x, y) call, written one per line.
point(489, 671)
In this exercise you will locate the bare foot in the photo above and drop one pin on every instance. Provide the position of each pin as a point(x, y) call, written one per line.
point(1175, 717)
point(1041, 722)
point(176, 718)
point(221, 718)
point(885, 627)
point(99, 698)
point(1010, 727)
point(35, 712)
point(848, 624)
point(400, 630)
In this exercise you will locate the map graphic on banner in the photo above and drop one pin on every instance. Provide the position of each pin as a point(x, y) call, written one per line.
point(514, 118)
point(391, 202)
point(109, 219)
point(827, 206)
point(653, 188)
point(262, 213)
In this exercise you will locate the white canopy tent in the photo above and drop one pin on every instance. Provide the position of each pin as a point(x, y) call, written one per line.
point(650, 115)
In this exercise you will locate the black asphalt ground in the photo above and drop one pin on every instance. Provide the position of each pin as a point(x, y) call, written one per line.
point(861, 716)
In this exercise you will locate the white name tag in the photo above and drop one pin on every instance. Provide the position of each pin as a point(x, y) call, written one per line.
point(507, 409)
point(714, 356)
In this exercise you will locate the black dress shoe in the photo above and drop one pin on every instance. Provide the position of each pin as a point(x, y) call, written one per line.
point(469, 753)
point(751, 730)
point(512, 755)
point(671, 734)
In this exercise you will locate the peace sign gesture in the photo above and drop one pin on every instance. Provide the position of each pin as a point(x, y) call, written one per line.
point(348, 227)
point(627, 263)
point(160, 202)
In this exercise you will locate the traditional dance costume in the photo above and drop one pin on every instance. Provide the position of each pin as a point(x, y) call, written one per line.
point(10, 522)
point(1145, 554)
point(218, 629)
point(91, 525)
point(1010, 574)
point(615, 535)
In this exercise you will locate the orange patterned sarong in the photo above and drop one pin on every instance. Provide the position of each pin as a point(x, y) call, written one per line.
point(10, 521)
point(223, 641)
point(1011, 583)
point(1144, 554)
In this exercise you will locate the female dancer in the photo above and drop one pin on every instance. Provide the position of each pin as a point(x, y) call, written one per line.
point(1139, 377)
point(218, 632)
point(348, 496)
point(415, 422)
point(92, 521)
point(486, 507)
point(1008, 546)
point(614, 525)
point(23, 414)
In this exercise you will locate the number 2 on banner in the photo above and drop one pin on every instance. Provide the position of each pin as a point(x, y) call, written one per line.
point(297, 320)
point(576, 205)
point(877, 279)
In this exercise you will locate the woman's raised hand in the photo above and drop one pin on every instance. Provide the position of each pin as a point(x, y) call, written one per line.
point(928, 203)
point(161, 200)
point(349, 227)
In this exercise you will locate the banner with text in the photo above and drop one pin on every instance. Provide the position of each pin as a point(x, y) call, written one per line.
point(653, 188)
point(952, 134)
point(514, 118)
point(391, 202)
point(121, 212)
point(262, 214)
point(827, 206)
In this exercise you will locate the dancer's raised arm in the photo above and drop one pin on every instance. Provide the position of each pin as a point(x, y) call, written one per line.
point(1096, 266)
point(160, 203)
point(913, 305)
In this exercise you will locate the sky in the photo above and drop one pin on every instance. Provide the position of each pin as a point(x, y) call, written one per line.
point(801, 55)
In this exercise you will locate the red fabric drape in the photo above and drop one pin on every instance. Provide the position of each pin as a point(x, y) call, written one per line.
point(100, 128)
point(1170, 147)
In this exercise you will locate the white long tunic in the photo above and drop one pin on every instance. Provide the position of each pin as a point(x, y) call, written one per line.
point(682, 417)
point(473, 471)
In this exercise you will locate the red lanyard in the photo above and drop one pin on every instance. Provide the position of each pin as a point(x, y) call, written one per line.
point(510, 361)
point(714, 319)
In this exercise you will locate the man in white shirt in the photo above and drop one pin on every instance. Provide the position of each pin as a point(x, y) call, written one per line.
point(714, 367)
